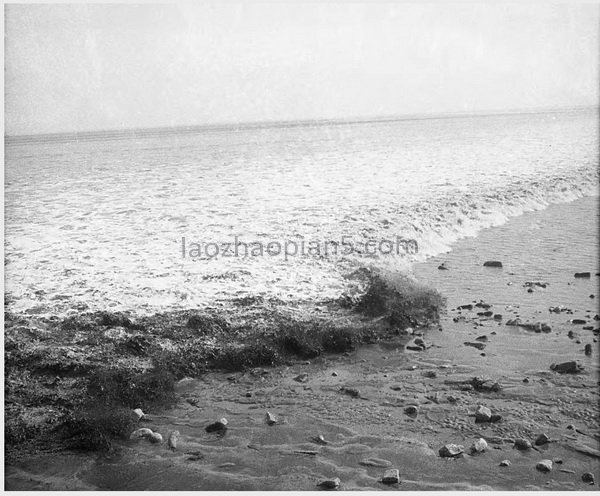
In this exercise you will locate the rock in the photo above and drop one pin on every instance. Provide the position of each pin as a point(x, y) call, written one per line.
point(481, 304)
point(172, 440)
point(592, 296)
point(481, 384)
point(505, 463)
point(588, 349)
point(571, 367)
point(483, 414)
point(155, 438)
point(513, 322)
point(522, 444)
point(141, 433)
point(451, 450)
point(582, 275)
point(542, 439)
point(495, 418)
point(588, 477)
point(391, 476)
point(487, 313)
point(220, 426)
point(194, 456)
point(465, 307)
point(579, 321)
point(334, 374)
point(544, 466)
point(492, 263)
point(375, 462)
point(497, 316)
point(411, 410)
point(139, 414)
point(248, 394)
point(479, 446)
point(355, 393)
point(270, 419)
point(481, 338)
point(330, 483)
point(442, 267)
point(479, 346)
point(531, 284)
point(301, 378)
point(319, 440)
point(530, 290)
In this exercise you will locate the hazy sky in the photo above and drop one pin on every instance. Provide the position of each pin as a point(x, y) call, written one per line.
point(85, 67)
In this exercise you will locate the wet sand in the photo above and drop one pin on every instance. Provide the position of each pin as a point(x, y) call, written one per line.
point(368, 433)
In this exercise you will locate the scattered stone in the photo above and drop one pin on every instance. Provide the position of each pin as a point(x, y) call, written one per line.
point(513, 322)
point(571, 334)
point(442, 267)
point(483, 414)
point(588, 349)
point(391, 476)
point(375, 462)
point(302, 377)
point(582, 275)
point(481, 338)
point(492, 263)
point(481, 304)
point(530, 290)
point(496, 418)
point(522, 444)
point(505, 463)
point(531, 284)
point(579, 321)
point(544, 466)
point(542, 439)
point(497, 316)
point(479, 446)
point(526, 380)
point(571, 367)
point(330, 483)
point(465, 307)
point(172, 440)
point(411, 410)
point(588, 477)
point(557, 461)
point(451, 450)
point(430, 374)
point(219, 426)
point(487, 313)
point(270, 419)
point(248, 394)
point(334, 374)
point(479, 346)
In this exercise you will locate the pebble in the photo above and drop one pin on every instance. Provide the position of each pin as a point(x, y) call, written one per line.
point(544, 466)
point(330, 483)
point(391, 476)
point(588, 477)
point(479, 446)
point(270, 419)
point(451, 450)
point(505, 463)
point(483, 414)
point(139, 413)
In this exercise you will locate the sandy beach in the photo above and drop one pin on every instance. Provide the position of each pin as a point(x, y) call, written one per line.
point(384, 406)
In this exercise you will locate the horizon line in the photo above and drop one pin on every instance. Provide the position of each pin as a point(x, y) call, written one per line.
point(131, 131)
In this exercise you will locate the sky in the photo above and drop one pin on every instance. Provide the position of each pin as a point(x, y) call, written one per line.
point(85, 67)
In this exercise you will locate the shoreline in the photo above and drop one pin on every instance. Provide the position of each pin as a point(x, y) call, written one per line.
point(389, 377)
